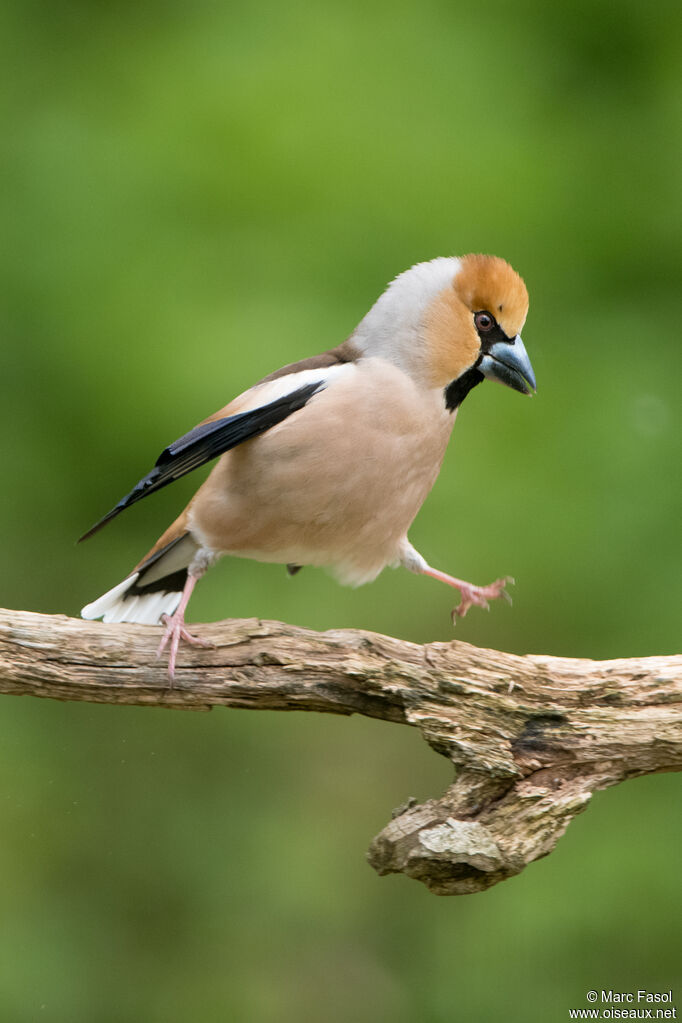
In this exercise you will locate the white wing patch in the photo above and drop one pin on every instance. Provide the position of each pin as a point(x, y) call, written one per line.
point(271, 390)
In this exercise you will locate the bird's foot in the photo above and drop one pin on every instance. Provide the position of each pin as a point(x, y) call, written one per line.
point(175, 631)
point(478, 596)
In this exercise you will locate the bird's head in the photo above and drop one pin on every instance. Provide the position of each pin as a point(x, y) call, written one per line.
point(473, 328)
point(452, 323)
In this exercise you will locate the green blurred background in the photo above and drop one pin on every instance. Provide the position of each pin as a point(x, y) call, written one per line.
point(194, 194)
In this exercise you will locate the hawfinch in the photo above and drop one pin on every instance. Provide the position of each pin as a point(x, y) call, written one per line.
point(327, 461)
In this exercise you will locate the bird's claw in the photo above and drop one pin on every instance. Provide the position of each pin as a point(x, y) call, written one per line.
point(478, 596)
point(175, 631)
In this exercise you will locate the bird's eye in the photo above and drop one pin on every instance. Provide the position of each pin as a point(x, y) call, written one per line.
point(484, 322)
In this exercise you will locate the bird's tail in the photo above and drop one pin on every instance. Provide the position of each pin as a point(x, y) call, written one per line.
point(152, 590)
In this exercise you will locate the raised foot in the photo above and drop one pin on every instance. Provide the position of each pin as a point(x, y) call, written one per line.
point(478, 596)
point(175, 631)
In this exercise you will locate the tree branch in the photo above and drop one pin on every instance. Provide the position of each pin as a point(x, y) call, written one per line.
point(531, 737)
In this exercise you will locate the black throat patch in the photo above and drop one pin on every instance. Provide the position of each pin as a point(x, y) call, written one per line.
point(456, 392)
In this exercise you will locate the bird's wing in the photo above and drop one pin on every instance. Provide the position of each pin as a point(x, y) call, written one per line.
point(210, 439)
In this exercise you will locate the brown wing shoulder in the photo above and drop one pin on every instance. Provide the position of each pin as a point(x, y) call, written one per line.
point(345, 352)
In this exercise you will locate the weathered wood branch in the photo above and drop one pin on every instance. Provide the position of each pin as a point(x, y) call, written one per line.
point(531, 737)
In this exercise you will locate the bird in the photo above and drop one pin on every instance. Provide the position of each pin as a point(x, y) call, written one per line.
point(327, 461)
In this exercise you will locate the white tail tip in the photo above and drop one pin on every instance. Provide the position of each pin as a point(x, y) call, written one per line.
point(142, 608)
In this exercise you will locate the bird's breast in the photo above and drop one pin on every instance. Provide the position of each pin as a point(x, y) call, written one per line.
point(337, 484)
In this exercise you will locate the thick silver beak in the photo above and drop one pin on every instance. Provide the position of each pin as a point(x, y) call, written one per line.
point(508, 362)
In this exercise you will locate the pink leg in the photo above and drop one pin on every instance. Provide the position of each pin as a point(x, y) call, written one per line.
point(175, 627)
point(471, 595)
point(479, 595)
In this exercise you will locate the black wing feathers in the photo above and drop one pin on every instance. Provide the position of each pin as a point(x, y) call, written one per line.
point(206, 442)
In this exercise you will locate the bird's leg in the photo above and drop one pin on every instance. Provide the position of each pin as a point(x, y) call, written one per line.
point(471, 595)
point(175, 627)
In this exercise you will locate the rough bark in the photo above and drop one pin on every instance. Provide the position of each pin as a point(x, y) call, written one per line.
point(531, 737)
